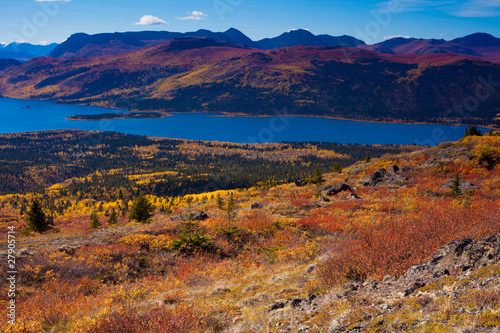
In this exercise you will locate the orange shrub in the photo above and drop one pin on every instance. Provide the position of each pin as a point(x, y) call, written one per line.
point(258, 222)
point(159, 320)
point(398, 242)
point(322, 224)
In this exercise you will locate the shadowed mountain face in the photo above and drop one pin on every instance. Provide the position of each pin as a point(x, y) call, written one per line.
point(478, 45)
point(83, 45)
point(201, 74)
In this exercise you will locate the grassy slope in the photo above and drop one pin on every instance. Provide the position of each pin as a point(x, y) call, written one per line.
point(118, 275)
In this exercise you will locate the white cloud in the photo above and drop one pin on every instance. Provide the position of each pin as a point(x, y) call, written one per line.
point(150, 20)
point(43, 42)
point(397, 36)
point(194, 15)
point(52, 0)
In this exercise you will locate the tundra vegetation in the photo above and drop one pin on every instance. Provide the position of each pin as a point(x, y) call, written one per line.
point(262, 253)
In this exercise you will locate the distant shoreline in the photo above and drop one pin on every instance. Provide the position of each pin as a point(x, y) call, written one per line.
point(111, 116)
point(165, 113)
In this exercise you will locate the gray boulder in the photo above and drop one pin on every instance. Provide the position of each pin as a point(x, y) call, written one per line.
point(195, 216)
point(256, 205)
point(374, 178)
point(464, 186)
point(330, 190)
point(300, 182)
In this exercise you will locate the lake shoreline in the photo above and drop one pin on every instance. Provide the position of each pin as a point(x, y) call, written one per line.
point(230, 114)
point(220, 126)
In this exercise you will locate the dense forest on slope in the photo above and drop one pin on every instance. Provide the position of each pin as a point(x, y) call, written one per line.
point(111, 166)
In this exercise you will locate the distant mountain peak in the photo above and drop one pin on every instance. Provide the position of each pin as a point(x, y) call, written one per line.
point(478, 39)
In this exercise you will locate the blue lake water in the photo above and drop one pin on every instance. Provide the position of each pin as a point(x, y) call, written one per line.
point(16, 116)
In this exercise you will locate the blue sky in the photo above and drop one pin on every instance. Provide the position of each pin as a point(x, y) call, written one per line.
point(46, 21)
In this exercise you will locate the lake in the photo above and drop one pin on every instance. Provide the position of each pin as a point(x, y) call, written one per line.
point(26, 116)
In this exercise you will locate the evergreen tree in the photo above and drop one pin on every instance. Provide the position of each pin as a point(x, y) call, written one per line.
point(317, 178)
point(455, 187)
point(22, 210)
point(219, 203)
point(141, 209)
point(230, 215)
point(37, 220)
point(191, 238)
point(94, 221)
point(337, 167)
point(368, 159)
point(472, 131)
point(113, 217)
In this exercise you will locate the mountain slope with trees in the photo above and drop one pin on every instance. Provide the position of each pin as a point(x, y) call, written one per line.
point(200, 74)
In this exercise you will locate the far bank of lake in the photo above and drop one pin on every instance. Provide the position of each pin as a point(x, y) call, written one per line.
point(27, 115)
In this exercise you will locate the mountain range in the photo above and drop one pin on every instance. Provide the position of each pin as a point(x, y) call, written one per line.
point(479, 45)
point(24, 51)
point(83, 45)
point(202, 74)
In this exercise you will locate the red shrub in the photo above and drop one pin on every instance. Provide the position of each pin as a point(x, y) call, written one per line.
point(397, 243)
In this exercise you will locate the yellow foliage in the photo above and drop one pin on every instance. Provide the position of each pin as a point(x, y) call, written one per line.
point(147, 241)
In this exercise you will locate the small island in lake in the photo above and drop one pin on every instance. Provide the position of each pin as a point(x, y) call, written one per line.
point(109, 116)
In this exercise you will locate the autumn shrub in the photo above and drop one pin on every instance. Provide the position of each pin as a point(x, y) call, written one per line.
point(147, 242)
point(106, 263)
point(160, 320)
point(258, 223)
point(54, 303)
point(396, 243)
point(321, 224)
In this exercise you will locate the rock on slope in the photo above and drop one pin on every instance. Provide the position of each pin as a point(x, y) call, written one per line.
point(460, 281)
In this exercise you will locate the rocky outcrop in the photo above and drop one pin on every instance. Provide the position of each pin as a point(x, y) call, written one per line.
point(194, 216)
point(457, 259)
point(464, 186)
point(391, 176)
point(300, 182)
point(375, 178)
point(331, 190)
point(256, 205)
point(448, 154)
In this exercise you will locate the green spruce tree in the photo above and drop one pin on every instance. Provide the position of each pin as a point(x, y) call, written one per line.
point(94, 221)
point(113, 217)
point(192, 238)
point(141, 210)
point(337, 167)
point(455, 187)
point(219, 203)
point(229, 230)
point(36, 218)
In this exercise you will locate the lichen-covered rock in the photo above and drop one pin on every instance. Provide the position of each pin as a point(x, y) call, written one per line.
point(331, 190)
point(464, 185)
